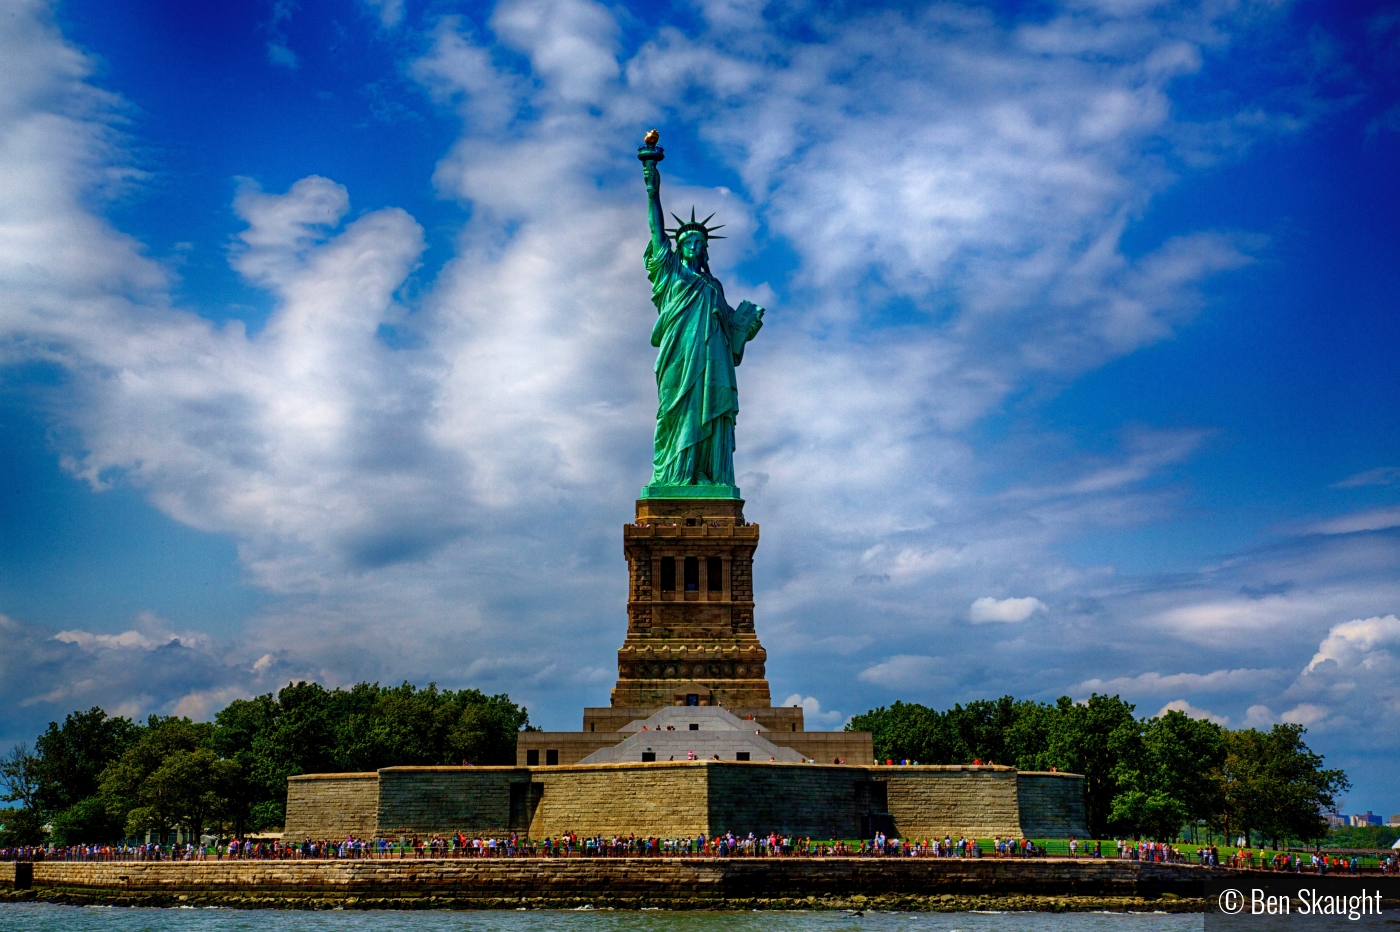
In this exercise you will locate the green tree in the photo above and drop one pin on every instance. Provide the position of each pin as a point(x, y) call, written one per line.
point(249, 803)
point(1363, 836)
point(300, 738)
point(152, 786)
point(907, 730)
point(1168, 775)
point(88, 821)
point(484, 731)
point(1028, 736)
point(979, 730)
point(1091, 738)
point(72, 756)
point(186, 790)
point(20, 827)
point(18, 775)
point(310, 729)
point(1276, 785)
point(96, 776)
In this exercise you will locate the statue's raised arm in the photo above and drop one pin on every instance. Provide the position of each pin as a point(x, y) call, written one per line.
point(652, 176)
point(700, 339)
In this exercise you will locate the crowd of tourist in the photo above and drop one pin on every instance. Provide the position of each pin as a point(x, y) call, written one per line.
point(1313, 862)
point(728, 845)
point(569, 844)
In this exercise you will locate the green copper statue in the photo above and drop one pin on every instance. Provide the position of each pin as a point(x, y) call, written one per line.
point(701, 339)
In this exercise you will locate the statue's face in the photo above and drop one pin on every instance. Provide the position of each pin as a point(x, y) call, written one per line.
point(692, 246)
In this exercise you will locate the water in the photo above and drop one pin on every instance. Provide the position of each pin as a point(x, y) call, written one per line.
point(42, 917)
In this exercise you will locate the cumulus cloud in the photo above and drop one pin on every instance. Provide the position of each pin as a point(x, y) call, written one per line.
point(812, 712)
point(134, 673)
point(1307, 714)
point(1352, 682)
point(1364, 643)
point(989, 609)
point(1186, 708)
point(1260, 717)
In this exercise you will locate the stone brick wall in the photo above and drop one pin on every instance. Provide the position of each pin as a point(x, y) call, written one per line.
point(664, 879)
point(799, 799)
point(978, 802)
point(1052, 805)
point(427, 801)
point(573, 746)
point(662, 799)
point(824, 747)
point(684, 799)
point(332, 805)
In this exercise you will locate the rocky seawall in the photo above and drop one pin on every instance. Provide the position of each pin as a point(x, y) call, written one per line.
point(621, 883)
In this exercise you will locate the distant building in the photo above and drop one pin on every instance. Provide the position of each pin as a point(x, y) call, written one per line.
point(1395, 819)
point(1334, 820)
point(1365, 818)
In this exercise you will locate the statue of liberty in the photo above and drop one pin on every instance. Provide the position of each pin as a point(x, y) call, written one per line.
point(700, 339)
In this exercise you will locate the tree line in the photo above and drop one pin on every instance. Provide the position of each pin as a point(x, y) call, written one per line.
point(98, 778)
point(1158, 777)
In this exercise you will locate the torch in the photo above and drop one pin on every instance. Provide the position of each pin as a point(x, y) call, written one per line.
point(649, 151)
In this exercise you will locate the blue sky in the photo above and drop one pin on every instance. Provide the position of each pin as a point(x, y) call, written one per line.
point(324, 349)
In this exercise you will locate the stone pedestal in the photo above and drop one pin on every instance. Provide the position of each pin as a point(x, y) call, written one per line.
point(690, 627)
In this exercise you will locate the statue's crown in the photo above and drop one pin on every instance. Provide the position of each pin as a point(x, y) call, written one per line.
point(695, 226)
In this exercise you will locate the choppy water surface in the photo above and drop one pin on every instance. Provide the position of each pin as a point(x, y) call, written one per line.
point(39, 917)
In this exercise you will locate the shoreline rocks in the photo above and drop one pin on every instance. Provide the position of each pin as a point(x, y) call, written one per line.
point(944, 902)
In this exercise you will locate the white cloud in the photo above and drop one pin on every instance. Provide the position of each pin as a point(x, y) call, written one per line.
point(1260, 717)
point(125, 640)
point(282, 229)
point(902, 671)
point(812, 712)
point(1359, 644)
point(279, 53)
point(1382, 475)
point(1231, 619)
point(202, 704)
point(1181, 705)
point(572, 44)
point(1377, 519)
point(1307, 714)
point(988, 609)
point(390, 11)
point(1155, 683)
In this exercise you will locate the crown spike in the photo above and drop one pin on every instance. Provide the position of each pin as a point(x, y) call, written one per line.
point(685, 227)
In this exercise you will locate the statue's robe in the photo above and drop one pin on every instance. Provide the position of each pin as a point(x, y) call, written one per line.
point(700, 343)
